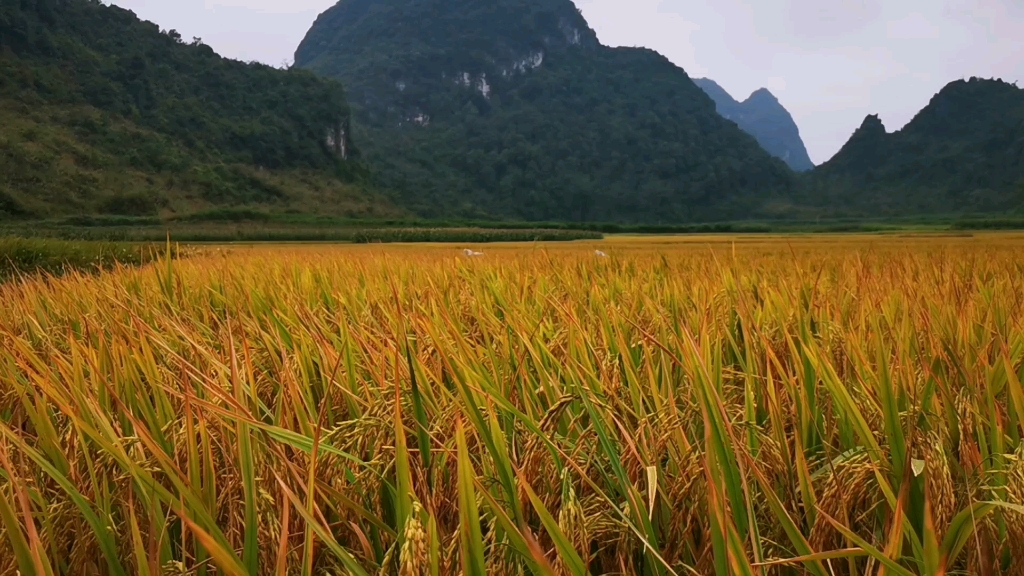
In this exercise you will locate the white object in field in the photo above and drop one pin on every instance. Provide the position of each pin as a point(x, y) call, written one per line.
point(600, 254)
point(918, 466)
point(471, 254)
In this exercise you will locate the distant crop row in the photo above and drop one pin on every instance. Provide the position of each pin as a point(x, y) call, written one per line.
point(247, 218)
point(19, 255)
point(787, 407)
point(255, 233)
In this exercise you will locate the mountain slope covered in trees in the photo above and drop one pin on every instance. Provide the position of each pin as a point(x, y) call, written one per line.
point(101, 112)
point(766, 119)
point(964, 152)
point(512, 108)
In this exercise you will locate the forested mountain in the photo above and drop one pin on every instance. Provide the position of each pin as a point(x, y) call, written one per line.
point(964, 152)
point(512, 108)
point(101, 112)
point(766, 119)
point(460, 108)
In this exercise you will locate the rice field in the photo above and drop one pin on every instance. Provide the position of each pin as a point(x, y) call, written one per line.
point(818, 405)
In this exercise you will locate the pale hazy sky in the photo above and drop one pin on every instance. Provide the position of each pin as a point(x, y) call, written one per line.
point(830, 62)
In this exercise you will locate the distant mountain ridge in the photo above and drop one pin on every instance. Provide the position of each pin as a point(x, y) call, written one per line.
point(513, 109)
point(766, 119)
point(964, 152)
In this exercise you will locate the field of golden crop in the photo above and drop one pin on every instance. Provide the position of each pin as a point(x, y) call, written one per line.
point(817, 405)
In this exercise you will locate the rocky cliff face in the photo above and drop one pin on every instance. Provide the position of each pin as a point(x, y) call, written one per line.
point(763, 117)
point(394, 54)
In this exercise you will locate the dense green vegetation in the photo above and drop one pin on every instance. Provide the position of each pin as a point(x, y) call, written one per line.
point(763, 117)
point(20, 255)
point(247, 225)
point(222, 231)
point(505, 115)
point(512, 109)
point(964, 152)
point(103, 113)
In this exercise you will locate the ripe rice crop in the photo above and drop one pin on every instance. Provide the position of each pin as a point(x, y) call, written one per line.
point(815, 405)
